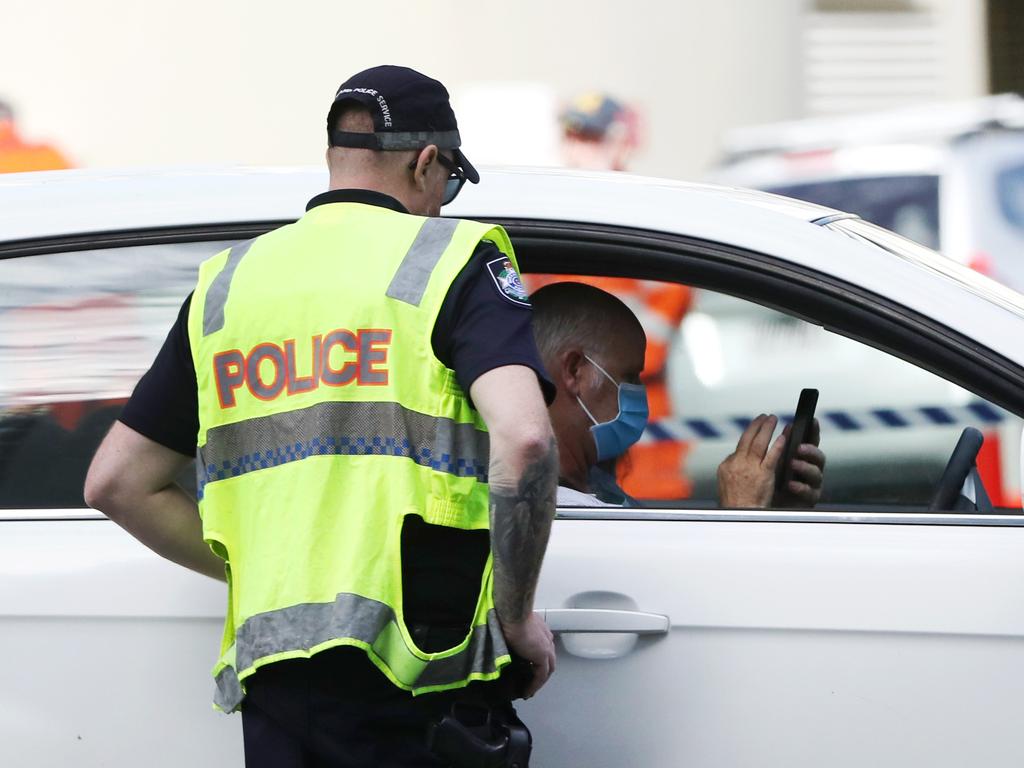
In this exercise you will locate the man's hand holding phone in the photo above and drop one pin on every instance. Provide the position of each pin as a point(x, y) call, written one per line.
point(803, 488)
point(746, 479)
point(785, 473)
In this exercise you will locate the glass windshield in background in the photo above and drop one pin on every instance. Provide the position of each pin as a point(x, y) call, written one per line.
point(908, 250)
point(908, 205)
point(1010, 190)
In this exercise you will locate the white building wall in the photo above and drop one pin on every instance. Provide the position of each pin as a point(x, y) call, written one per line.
point(866, 55)
point(964, 36)
point(138, 83)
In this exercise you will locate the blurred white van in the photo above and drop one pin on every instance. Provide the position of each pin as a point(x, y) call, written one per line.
point(950, 176)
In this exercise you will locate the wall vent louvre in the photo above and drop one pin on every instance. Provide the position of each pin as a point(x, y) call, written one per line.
point(855, 62)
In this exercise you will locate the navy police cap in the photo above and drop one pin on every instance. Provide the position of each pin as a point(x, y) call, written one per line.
point(409, 111)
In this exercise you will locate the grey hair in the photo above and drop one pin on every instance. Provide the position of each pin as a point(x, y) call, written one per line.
point(576, 314)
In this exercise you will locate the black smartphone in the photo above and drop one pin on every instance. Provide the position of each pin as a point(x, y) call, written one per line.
point(802, 421)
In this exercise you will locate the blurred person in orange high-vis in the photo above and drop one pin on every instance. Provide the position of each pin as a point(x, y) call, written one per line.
point(17, 155)
point(602, 133)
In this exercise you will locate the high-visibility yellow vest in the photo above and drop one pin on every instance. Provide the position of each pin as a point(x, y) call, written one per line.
point(324, 420)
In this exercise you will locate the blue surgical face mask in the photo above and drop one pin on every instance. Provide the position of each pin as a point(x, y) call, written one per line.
point(614, 437)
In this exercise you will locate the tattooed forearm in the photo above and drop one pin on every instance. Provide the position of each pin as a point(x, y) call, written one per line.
point(521, 515)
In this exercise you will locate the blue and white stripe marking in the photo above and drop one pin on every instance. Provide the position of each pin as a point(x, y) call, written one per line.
point(978, 414)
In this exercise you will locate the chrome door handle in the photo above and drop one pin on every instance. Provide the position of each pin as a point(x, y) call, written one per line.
point(601, 620)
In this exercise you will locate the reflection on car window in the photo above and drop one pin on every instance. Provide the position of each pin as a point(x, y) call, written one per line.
point(905, 204)
point(77, 330)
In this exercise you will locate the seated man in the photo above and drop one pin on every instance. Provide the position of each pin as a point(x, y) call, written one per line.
point(593, 348)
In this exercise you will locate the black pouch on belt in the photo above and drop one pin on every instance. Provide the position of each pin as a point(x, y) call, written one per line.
point(482, 730)
point(475, 736)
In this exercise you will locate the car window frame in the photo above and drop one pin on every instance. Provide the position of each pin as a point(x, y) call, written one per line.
point(598, 249)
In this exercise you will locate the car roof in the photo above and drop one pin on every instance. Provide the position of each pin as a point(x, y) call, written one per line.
point(45, 204)
point(58, 203)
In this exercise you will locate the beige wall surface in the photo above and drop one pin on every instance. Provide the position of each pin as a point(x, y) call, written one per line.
point(120, 83)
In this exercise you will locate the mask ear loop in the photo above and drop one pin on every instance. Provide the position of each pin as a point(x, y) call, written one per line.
point(602, 370)
point(609, 377)
point(586, 411)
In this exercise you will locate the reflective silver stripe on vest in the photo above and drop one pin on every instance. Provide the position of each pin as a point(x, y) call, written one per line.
point(485, 647)
point(413, 274)
point(217, 294)
point(343, 429)
point(306, 626)
point(229, 693)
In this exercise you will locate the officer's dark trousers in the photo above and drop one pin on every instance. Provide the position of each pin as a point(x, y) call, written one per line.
point(336, 710)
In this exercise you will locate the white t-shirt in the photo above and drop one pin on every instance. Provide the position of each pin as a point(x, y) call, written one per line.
point(570, 497)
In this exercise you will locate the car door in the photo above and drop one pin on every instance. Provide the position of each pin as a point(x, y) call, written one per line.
point(867, 631)
point(771, 639)
point(107, 648)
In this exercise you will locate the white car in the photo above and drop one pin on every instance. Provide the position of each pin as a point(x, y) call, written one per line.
point(865, 632)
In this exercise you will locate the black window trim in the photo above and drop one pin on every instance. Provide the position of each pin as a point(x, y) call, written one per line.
point(127, 238)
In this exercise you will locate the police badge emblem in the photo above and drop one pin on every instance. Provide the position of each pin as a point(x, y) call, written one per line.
point(507, 280)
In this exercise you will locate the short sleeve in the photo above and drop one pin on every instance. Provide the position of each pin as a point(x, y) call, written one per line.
point(165, 406)
point(485, 322)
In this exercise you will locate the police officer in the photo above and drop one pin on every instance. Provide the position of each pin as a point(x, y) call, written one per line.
point(376, 468)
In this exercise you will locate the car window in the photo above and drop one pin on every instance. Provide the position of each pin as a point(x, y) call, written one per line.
point(77, 330)
point(908, 205)
point(1010, 191)
point(888, 427)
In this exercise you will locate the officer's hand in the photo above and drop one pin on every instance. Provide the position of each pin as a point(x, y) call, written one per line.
point(804, 489)
point(532, 640)
point(747, 476)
